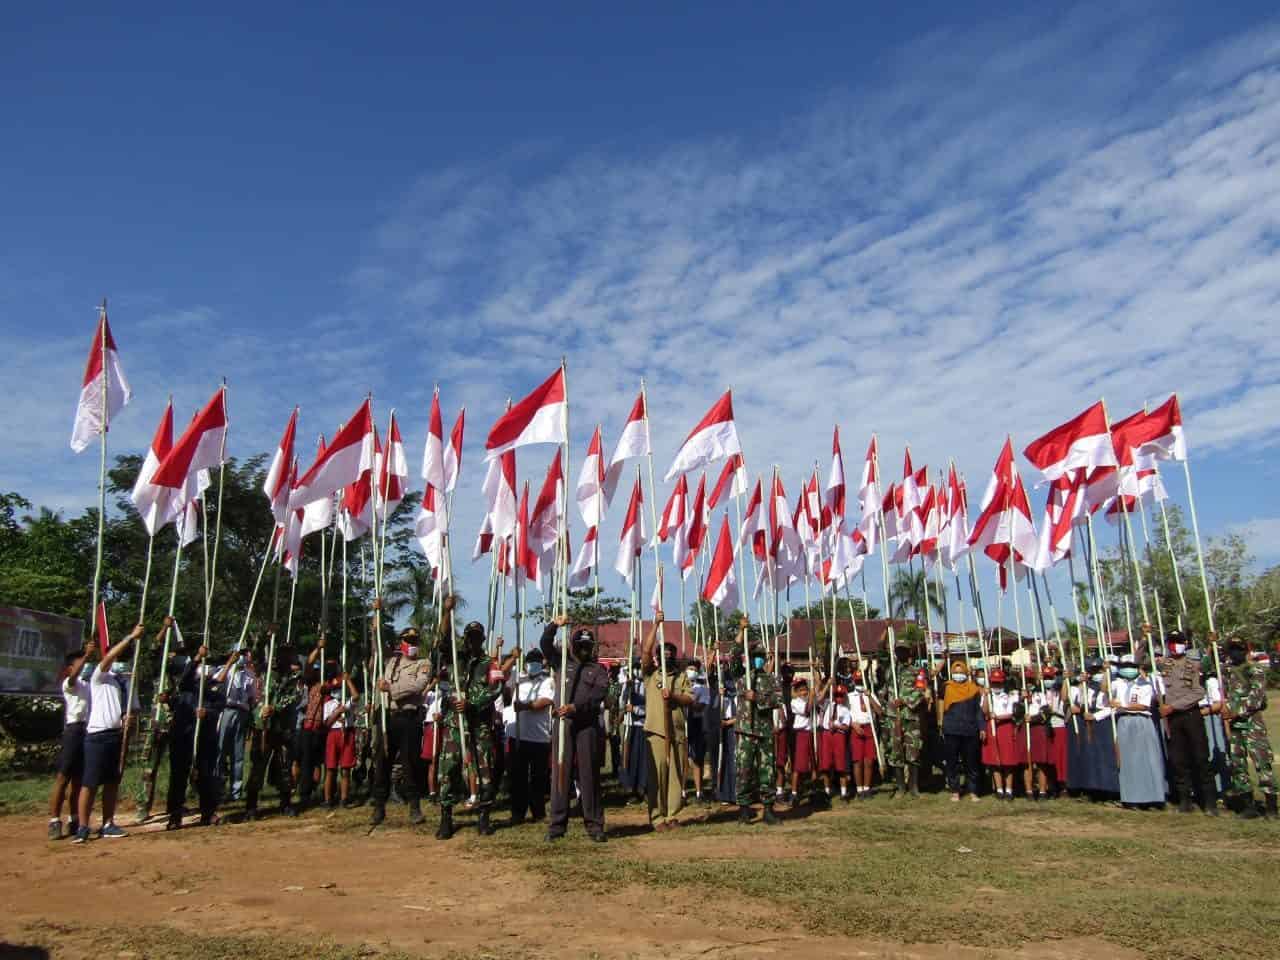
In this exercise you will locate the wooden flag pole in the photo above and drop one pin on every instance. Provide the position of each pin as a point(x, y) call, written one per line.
point(562, 730)
point(1173, 562)
point(217, 527)
point(884, 567)
point(102, 472)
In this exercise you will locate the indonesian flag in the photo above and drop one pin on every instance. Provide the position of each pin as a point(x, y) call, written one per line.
point(673, 514)
point(1082, 443)
point(928, 548)
point(290, 544)
point(1161, 434)
point(150, 500)
point(590, 490)
point(733, 481)
point(754, 526)
point(318, 514)
point(544, 522)
point(908, 503)
point(721, 587)
point(500, 496)
point(1137, 471)
point(433, 453)
point(526, 560)
point(201, 446)
point(785, 548)
point(428, 530)
point(956, 542)
point(1063, 507)
point(356, 517)
point(1004, 530)
point(631, 542)
point(276, 485)
point(453, 452)
point(632, 442)
point(91, 420)
point(541, 417)
point(393, 472)
point(835, 499)
point(695, 531)
point(188, 519)
point(869, 501)
point(808, 521)
point(846, 559)
point(350, 454)
point(587, 560)
point(714, 438)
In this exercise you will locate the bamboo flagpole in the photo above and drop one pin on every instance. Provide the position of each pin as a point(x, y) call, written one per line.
point(562, 731)
point(884, 567)
point(102, 470)
point(212, 567)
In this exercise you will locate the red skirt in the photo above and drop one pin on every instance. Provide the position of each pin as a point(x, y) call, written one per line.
point(780, 751)
point(1008, 748)
point(802, 760)
point(429, 741)
point(862, 746)
point(833, 749)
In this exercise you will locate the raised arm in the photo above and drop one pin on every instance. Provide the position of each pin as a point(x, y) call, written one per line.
point(547, 642)
point(113, 654)
point(647, 660)
point(317, 650)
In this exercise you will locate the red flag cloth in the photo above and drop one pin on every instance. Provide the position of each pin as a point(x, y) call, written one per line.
point(276, 484)
point(91, 419)
point(104, 639)
point(631, 542)
point(721, 587)
point(427, 528)
point(632, 442)
point(433, 452)
point(733, 481)
point(714, 438)
point(453, 452)
point(350, 454)
point(1082, 443)
point(835, 496)
point(151, 500)
point(541, 417)
point(589, 493)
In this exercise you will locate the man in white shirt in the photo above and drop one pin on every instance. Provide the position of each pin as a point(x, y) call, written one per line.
point(104, 737)
point(237, 716)
point(533, 693)
point(75, 699)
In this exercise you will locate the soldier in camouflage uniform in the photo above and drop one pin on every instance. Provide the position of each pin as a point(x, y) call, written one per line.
point(274, 721)
point(904, 706)
point(471, 695)
point(753, 752)
point(1244, 700)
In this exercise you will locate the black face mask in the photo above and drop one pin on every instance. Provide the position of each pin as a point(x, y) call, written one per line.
point(1236, 657)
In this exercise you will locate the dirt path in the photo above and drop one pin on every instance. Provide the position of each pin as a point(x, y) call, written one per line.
point(299, 880)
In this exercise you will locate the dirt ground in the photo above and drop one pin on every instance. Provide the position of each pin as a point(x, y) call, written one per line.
point(298, 880)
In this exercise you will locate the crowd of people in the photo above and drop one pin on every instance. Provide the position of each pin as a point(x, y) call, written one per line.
point(467, 726)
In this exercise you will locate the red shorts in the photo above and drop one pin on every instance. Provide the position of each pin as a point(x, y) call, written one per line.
point(863, 747)
point(802, 759)
point(780, 751)
point(833, 751)
point(429, 741)
point(340, 749)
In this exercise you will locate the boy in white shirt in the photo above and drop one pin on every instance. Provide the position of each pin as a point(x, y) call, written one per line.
point(75, 699)
point(104, 737)
point(835, 720)
point(802, 760)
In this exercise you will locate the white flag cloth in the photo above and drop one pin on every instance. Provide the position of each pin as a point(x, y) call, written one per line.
point(589, 493)
point(869, 498)
point(433, 453)
point(188, 519)
point(428, 530)
point(546, 519)
point(588, 557)
point(453, 452)
point(152, 500)
point(955, 544)
point(276, 484)
point(633, 441)
point(631, 542)
point(91, 419)
point(721, 587)
point(714, 438)
point(835, 492)
point(318, 514)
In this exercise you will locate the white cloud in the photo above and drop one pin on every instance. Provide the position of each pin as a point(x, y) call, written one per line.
point(1262, 535)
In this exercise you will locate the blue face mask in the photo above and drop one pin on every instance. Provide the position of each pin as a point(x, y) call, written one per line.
point(758, 663)
point(86, 672)
point(534, 668)
point(117, 669)
point(1129, 673)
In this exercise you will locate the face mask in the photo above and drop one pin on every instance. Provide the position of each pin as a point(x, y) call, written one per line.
point(1237, 657)
point(117, 669)
point(1128, 673)
point(1114, 673)
point(409, 651)
point(86, 671)
point(981, 681)
point(758, 663)
point(535, 668)
point(959, 677)
point(691, 673)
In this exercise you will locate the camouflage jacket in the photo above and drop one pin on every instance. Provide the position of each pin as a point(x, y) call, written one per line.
point(1246, 691)
point(285, 698)
point(480, 693)
point(756, 719)
point(913, 699)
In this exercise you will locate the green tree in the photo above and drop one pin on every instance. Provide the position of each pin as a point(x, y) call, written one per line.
point(588, 605)
point(909, 593)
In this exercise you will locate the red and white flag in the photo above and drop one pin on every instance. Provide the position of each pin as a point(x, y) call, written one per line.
point(500, 498)
point(835, 498)
point(1064, 505)
point(1161, 434)
point(588, 559)
point(318, 514)
point(546, 519)
point(589, 493)
point(732, 482)
point(91, 419)
point(673, 514)
point(932, 526)
point(541, 417)
point(276, 485)
point(526, 560)
point(350, 454)
point(786, 552)
point(393, 473)
point(428, 529)
point(453, 452)
point(356, 517)
point(869, 501)
point(908, 500)
point(1082, 443)
point(632, 442)
point(188, 519)
point(433, 453)
point(1004, 530)
point(201, 447)
point(695, 528)
point(631, 542)
point(755, 526)
point(714, 438)
point(721, 587)
point(955, 543)
point(151, 500)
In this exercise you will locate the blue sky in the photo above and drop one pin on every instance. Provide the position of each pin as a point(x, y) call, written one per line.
point(941, 224)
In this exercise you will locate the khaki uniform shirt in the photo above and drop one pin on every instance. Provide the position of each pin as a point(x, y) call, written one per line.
point(654, 720)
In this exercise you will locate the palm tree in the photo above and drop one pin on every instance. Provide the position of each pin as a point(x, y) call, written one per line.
point(908, 592)
point(412, 590)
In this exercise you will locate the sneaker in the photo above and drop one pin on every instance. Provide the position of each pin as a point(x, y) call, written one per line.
point(55, 829)
point(73, 827)
point(82, 836)
point(109, 831)
point(973, 798)
point(955, 798)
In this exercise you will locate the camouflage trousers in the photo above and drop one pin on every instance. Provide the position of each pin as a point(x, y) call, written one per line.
point(902, 750)
point(265, 748)
point(1248, 741)
point(452, 772)
point(753, 765)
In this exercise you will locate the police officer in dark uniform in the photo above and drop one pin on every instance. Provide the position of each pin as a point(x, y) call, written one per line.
point(579, 712)
point(1188, 744)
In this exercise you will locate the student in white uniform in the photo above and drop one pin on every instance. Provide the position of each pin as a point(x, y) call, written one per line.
point(75, 714)
point(835, 721)
point(1135, 700)
point(104, 737)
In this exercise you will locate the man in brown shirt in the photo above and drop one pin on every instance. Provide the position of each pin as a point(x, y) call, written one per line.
point(1188, 744)
point(664, 729)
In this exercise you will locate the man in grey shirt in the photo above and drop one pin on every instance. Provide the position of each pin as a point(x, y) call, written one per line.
point(1188, 745)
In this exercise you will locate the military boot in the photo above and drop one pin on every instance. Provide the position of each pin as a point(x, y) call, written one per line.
point(1270, 799)
point(899, 783)
point(769, 816)
point(415, 812)
point(482, 823)
point(445, 830)
point(379, 813)
point(914, 779)
point(1243, 807)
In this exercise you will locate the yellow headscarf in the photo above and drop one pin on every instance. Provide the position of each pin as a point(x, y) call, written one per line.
point(958, 692)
